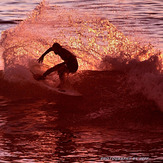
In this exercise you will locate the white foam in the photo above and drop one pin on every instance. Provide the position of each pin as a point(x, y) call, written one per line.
point(146, 77)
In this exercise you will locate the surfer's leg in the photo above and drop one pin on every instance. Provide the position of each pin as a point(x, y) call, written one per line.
point(62, 72)
point(55, 68)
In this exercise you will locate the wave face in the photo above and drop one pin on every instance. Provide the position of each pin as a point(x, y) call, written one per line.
point(96, 42)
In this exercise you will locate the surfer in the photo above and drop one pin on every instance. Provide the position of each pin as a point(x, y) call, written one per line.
point(70, 64)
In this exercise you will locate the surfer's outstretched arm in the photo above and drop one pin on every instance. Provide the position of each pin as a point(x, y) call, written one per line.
point(40, 60)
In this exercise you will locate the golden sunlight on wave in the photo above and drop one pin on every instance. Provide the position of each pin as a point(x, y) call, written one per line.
point(90, 38)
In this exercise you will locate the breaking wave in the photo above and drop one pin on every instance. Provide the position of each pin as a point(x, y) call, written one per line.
point(96, 42)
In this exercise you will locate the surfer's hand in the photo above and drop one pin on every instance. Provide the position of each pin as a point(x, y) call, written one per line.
point(40, 60)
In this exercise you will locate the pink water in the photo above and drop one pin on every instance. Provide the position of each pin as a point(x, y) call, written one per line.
point(120, 78)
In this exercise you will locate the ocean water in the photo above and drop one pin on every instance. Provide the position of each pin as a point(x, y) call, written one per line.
point(118, 45)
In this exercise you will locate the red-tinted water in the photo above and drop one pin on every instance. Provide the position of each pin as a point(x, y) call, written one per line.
point(119, 116)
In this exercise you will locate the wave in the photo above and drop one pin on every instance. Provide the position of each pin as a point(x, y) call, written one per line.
point(97, 43)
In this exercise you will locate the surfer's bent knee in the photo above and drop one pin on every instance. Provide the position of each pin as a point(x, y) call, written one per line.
point(72, 66)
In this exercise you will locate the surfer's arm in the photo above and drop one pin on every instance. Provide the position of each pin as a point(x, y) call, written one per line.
point(40, 60)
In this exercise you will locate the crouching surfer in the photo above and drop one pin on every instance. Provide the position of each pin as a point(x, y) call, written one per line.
point(70, 64)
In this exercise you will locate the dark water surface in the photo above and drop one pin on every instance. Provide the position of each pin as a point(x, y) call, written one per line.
point(107, 125)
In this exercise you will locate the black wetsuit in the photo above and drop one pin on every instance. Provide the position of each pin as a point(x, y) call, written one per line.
point(69, 59)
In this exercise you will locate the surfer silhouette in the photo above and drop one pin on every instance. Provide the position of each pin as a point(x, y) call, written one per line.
point(70, 64)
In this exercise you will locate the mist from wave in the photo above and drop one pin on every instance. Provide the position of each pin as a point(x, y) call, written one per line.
point(143, 19)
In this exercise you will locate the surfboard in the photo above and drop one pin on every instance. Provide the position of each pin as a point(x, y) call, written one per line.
point(66, 91)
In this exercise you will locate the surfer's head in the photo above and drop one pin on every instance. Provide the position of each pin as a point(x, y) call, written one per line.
point(56, 47)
